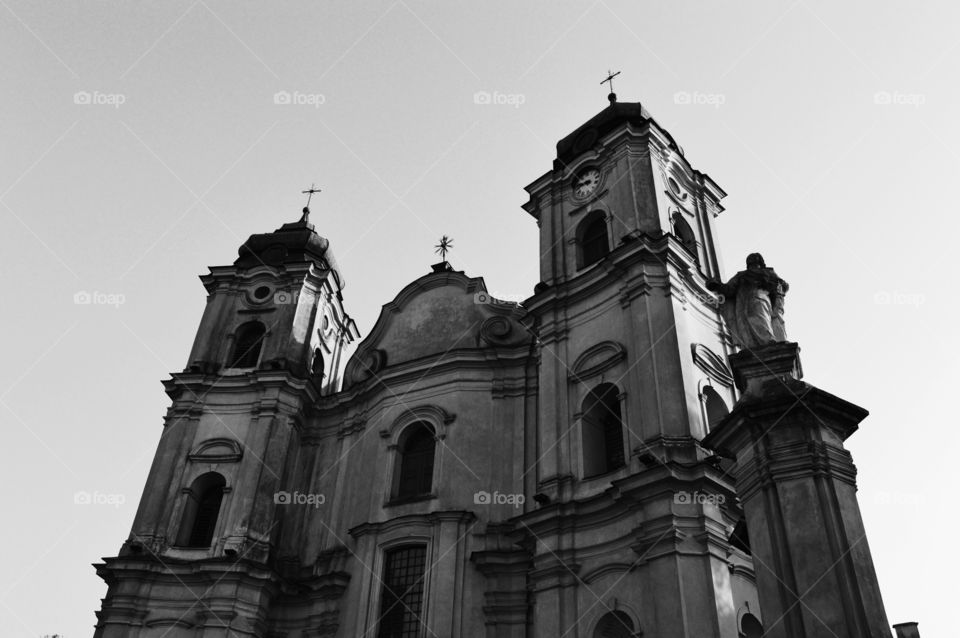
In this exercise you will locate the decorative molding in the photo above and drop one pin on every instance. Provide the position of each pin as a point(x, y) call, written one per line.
point(219, 450)
point(597, 359)
point(432, 414)
point(367, 364)
point(712, 363)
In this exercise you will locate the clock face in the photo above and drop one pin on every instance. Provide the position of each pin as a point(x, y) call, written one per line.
point(586, 182)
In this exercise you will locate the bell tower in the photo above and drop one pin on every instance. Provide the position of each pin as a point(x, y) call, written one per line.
point(271, 342)
point(636, 516)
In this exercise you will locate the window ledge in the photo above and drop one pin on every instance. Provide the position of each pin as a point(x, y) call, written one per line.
point(410, 499)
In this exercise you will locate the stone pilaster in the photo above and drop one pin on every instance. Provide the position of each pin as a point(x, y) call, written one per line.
point(797, 484)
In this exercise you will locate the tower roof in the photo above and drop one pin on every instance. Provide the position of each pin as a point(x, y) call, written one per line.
point(295, 242)
point(588, 133)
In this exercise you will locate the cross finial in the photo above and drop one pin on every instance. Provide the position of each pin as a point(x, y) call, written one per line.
point(446, 243)
point(306, 209)
point(609, 80)
point(309, 193)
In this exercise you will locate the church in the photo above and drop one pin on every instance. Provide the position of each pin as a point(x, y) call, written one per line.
point(598, 461)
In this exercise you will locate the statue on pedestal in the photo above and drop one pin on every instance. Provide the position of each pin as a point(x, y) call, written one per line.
point(752, 304)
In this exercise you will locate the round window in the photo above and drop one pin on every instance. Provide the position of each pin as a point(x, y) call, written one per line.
point(261, 293)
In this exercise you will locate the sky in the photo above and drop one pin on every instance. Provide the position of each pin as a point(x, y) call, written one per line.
point(144, 142)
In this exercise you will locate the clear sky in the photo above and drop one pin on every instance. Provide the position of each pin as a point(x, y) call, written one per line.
point(142, 142)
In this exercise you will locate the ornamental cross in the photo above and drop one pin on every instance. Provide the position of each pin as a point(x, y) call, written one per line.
point(446, 243)
point(609, 79)
point(309, 193)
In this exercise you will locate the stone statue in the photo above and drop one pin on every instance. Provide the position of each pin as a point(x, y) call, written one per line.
point(752, 304)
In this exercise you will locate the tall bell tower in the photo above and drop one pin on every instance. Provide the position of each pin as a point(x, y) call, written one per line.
point(636, 522)
point(271, 341)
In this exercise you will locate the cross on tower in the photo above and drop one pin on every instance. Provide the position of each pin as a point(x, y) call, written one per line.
point(309, 193)
point(609, 80)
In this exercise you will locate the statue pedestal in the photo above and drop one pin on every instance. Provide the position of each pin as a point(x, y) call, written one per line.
point(797, 485)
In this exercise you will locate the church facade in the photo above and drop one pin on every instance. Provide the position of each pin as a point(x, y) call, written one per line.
point(474, 467)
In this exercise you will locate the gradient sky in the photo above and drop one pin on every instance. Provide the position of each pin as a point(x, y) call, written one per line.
point(832, 126)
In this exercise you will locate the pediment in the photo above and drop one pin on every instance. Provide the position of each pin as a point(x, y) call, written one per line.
point(220, 450)
point(438, 313)
point(712, 363)
point(597, 359)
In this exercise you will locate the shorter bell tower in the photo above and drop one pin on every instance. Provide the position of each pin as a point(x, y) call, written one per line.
point(271, 342)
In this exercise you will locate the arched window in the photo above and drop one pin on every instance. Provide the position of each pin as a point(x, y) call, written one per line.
point(602, 431)
point(317, 365)
point(616, 624)
point(401, 592)
point(417, 448)
point(592, 242)
point(683, 232)
point(714, 406)
point(750, 627)
point(246, 348)
point(202, 510)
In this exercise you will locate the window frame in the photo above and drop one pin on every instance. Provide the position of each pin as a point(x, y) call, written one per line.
point(193, 499)
point(592, 219)
point(234, 358)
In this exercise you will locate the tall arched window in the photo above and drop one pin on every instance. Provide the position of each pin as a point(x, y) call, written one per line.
point(616, 624)
point(401, 592)
point(417, 448)
point(714, 406)
point(602, 431)
point(201, 511)
point(592, 242)
point(246, 348)
point(686, 235)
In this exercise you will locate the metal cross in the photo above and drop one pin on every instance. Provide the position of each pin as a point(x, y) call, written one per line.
point(609, 79)
point(309, 193)
point(446, 243)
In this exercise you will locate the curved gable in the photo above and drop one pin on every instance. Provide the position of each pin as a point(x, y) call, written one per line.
point(437, 313)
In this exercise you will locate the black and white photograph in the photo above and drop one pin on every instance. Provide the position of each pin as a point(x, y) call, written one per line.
point(452, 319)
